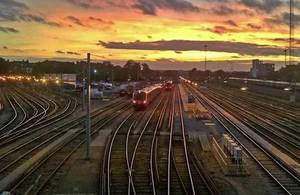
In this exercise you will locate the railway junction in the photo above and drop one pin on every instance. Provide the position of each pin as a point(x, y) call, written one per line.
point(167, 138)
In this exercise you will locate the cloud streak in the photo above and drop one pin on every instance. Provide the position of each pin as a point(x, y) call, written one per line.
point(67, 52)
point(150, 7)
point(11, 10)
point(74, 20)
point(8, 30)
point(262, 5)
point(186, 45)
point(85, 4)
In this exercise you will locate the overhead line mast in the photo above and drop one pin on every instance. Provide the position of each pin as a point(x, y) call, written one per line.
point(291, 39)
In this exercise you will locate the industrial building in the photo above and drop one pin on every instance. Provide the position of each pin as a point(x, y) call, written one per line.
point(261, 69)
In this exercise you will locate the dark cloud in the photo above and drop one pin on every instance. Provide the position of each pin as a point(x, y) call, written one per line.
point(86, 4)
point(147, 8)
point(223, 10)
point(75, 20)
point(283, 19)
point(8, 29)
point(222, 29)
point(11, 10)
point(38, 19)
point(73, 53)
point(186, 45)
point(262, 5)
point(285, 40)
point(151, 7)
point(67, 52)
point(286, 18)
point(254, 26)
point(13, 4)
point(101, 20)
point(231, 23)
point(60, 52)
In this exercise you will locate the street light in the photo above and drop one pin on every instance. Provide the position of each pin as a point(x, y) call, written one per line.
point(88, 107)
point(44, 81)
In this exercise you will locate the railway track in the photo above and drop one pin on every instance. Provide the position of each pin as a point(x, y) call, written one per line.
point(286, 181)
point(16, 156)
point(184, 174)
point(281, 118)
point(40, 127)
point(285, 110)
point(154, 170)
point(128, 153)
point(36, 179)
point(34, 112)
point(179, 150)
point(18, 117)
point(289, 144)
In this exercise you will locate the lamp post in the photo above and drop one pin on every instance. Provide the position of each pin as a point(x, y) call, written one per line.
point(88, 114)
point(205, 50)
point(285, 53)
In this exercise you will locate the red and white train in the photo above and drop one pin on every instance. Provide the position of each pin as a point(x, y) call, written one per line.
point(168, 86)
point(142, 98)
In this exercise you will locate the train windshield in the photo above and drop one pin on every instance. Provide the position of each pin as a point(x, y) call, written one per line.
point(139, 96)
point(168, 84)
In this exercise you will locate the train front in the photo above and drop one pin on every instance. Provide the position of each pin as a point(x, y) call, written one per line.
point(139, 100)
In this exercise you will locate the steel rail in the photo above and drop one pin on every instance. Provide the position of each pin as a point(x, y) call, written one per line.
point(259, 148)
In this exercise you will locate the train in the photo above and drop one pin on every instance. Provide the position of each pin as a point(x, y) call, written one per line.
point(168, 86)
point(269, 83)
point(142, 98)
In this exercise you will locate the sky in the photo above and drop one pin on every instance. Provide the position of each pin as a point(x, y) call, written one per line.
point(166, 34)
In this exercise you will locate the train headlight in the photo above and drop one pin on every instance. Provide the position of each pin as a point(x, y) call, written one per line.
point(134, 101)
point(145, 102)
point(244, 88)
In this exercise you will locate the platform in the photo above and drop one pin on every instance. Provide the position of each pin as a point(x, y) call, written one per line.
point(195, 109)
point(291, 163)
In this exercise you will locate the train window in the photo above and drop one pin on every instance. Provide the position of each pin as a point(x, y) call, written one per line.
point(139, 96)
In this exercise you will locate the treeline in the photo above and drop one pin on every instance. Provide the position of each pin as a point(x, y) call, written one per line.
point(132, 70)
point(219, 75)
point(289, 73)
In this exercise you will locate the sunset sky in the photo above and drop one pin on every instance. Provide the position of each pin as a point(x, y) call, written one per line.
point(167, 34)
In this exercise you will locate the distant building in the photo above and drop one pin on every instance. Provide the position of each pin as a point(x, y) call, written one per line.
point(261, 69)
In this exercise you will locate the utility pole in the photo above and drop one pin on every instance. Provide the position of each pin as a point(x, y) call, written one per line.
point(112, 77)
point(285, 53)
point(83, 90)
point(291, 31)
point(88, 114)
point(205, 50)
point(291, 41)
